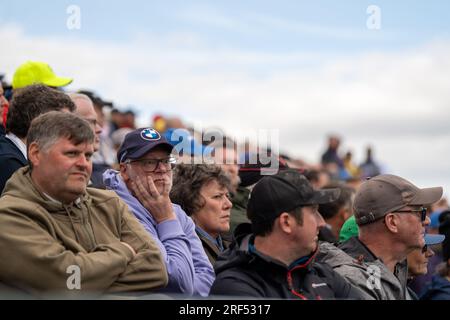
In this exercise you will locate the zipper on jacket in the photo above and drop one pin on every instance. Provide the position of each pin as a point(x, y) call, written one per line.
point(291, 287)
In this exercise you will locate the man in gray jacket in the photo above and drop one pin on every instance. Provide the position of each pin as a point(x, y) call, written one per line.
point(391, 214)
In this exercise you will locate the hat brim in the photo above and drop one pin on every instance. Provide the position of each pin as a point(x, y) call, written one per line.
point(431, 239)
point(58, 82)
point(325, 196)
point(427, 196)
point(142, 151)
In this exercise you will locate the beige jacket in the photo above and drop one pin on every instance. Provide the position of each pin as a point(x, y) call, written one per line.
point(42, 242)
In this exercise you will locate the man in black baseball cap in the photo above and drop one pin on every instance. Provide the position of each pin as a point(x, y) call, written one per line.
point(277, 260)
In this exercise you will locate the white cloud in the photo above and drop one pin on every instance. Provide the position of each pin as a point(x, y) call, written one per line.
point(398, 102)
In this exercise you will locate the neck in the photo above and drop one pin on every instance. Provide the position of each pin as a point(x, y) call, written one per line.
point(390, 252)
point(49, 194)
point(213, 235)
point(277, 248)
point(336, 224)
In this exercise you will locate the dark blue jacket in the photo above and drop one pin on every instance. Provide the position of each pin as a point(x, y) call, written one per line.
point(242, 272)
point(439, 289)
point(11, 159)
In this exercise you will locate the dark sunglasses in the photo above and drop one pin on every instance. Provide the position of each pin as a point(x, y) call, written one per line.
point(424, 248)
point(422, 211)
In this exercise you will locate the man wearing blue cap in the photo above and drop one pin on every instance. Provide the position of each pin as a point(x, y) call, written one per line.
point(144, 183)
point(418, 261)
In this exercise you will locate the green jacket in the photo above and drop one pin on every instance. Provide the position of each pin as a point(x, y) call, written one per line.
point(239, 209)
point(211, 250)
point(41, 240)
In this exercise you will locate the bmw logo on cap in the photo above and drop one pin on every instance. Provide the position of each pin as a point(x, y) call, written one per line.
point(150, 134)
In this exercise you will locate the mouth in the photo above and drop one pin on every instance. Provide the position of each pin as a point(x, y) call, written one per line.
point(81, 174)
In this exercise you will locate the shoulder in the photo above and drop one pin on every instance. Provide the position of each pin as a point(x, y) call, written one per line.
point(10, 153)
point(238, 281)
point(100, 197)
point(182, 215)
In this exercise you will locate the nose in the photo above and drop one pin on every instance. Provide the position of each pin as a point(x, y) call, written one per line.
point(98, 128)
point(320, 221)
point(227, 204)
point(83, 161)
point(427, 221)
point(429, 253)
point(161, 167)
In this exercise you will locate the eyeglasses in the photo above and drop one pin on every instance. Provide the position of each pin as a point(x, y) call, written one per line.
point(424, 248)
point(151, 165)
point(423, 213)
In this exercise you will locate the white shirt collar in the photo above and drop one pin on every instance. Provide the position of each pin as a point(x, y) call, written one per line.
point(76, 202)
point(18, 143)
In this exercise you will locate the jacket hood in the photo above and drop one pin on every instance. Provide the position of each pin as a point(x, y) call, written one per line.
point(113, 180)
point(237, 253)
point(334, 256)
point(20, 185)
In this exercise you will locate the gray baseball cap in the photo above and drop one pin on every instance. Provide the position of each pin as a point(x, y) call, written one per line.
point(387, 193)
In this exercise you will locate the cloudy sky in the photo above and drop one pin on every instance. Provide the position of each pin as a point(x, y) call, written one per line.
point(304, 68)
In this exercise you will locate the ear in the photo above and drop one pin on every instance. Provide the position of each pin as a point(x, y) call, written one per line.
point(285, 222)
point(392, 222)
point(33, 154)
point(344, 214)
point(124, 172)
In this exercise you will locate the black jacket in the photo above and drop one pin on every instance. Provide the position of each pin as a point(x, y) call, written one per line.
point(11, 159)
point(243, 273)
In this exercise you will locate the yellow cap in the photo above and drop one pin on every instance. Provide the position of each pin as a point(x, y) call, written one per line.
point(32, 72)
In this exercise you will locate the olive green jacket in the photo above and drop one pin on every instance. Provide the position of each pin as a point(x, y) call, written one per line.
point(43, 243)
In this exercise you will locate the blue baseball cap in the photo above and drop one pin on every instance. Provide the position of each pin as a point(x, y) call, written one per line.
point(434, 219)
point(431, 239)
point(183, 141)
point(139, 142)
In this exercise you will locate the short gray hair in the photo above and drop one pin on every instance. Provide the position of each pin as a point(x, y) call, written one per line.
point(46, 129)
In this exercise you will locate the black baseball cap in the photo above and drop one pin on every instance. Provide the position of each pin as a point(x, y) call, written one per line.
point(140, 141)
point(283, 192)
point(252, 173)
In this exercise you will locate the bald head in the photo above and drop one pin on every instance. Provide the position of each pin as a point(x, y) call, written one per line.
point(85, 109)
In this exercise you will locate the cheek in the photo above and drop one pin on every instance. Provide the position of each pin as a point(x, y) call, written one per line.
point(89, 168)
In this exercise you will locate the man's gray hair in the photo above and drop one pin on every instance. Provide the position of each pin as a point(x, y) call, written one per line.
point(46, 129)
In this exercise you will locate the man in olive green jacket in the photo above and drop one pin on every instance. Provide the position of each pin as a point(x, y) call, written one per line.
point(59, 237)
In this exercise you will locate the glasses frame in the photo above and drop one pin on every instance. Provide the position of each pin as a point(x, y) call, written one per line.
point(423, 212)
point(425, 249)
point(169, 163)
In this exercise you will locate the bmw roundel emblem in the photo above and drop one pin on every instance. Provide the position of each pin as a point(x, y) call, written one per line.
point(150, 134)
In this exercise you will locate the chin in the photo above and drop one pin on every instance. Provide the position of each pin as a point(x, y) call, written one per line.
point(78, 190)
